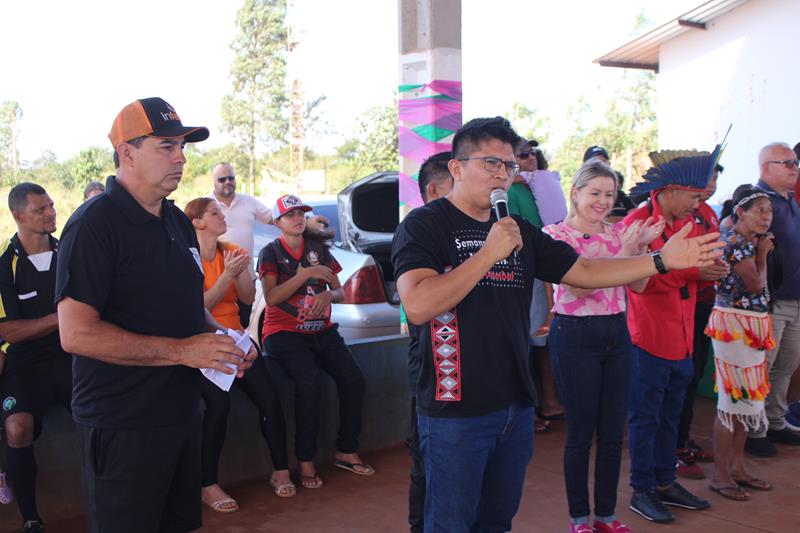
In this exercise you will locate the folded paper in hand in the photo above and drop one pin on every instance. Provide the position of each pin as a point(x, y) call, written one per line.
point(221, 379)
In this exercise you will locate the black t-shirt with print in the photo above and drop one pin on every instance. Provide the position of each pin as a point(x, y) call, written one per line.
point(474, 359)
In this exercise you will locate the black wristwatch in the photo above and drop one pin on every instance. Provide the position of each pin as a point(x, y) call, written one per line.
point(659, 261)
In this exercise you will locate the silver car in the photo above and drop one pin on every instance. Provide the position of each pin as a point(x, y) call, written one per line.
point(364, 219)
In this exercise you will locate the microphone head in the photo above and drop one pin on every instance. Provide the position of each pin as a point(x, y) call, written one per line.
point(498, 195)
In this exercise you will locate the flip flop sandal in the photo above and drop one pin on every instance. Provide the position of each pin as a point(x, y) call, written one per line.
point(754, 483)
point(283, 490)
point(542, 426)
point(311, 482)
point(732, 493)
point(220, 506)
point(352, 467)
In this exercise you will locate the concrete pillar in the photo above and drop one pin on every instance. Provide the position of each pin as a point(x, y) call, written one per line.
point(429, 96)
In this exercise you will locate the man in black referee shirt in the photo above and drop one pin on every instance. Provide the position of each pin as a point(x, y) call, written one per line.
point(37, 370)
point(130, 308)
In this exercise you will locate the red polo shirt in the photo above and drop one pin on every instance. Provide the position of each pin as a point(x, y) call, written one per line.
point(661, 319)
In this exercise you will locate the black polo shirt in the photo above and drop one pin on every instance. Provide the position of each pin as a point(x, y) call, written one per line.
point(26, 293)
point(143, 274)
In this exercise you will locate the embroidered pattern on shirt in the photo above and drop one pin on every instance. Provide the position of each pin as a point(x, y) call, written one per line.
point(446, 350)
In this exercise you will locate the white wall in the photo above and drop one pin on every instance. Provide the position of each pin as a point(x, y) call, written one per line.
point(744, 69)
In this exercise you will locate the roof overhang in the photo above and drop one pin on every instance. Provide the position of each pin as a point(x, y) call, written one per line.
point(643, 52)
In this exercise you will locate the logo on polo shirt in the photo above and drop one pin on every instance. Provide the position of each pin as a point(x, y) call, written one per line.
point(9, 403)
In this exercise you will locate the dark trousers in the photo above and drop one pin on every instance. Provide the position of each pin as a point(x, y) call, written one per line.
point(302, 357)
point(658, 387)
point(143, 480)
point(702, 343)
point(416, 489)
point(257, 385)
point(592, 365)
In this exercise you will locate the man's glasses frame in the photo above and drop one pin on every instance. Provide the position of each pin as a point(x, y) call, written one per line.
point(223, 179)
point(788, 163)
point(493, 164)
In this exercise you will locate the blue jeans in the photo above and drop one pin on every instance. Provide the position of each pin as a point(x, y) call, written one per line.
point(657, 392)
point(592, 365)
point(475, 469)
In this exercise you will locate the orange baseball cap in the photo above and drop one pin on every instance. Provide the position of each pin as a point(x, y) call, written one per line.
point(154, 117)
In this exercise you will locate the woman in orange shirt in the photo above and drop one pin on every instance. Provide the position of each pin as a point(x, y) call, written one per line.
point(228, 280)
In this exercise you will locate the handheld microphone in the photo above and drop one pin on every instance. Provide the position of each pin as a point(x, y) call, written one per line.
point(499, 199)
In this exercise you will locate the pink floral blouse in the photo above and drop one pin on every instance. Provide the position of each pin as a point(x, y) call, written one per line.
point(601, 301)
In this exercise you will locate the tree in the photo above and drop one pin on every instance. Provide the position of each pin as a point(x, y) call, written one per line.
point(10, 115)
point(91, 164)
point(628, 129)
point(377, 147)
point(530, 123)
point(256, 112)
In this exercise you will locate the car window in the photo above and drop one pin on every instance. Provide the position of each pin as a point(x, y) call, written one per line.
point(331, 212)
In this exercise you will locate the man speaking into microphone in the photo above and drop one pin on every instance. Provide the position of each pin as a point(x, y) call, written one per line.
point(475, 395)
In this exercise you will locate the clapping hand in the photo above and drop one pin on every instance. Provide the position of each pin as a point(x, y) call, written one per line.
point(681, 252)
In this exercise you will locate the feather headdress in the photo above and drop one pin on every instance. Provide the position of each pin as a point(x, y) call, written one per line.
point(680, 169)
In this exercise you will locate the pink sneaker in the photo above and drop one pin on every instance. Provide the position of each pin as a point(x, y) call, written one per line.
point(6, 496)
point(615, 527)
point(580, 528)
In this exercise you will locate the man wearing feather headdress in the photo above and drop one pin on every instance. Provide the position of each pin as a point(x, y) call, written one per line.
point(661, 323)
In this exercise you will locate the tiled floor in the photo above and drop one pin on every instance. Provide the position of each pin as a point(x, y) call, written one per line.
point(350, 503)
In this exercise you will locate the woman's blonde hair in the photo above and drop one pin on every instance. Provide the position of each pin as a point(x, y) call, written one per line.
point(593, 168)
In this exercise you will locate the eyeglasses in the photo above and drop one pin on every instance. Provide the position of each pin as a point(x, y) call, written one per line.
point(788, 163)
point(223, 179)
point(526, 155)
point(493, 164)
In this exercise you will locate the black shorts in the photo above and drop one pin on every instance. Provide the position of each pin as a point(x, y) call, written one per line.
point(142, 480)
point(32, 390)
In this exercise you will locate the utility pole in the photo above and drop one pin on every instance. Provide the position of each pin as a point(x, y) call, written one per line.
point(296, 126)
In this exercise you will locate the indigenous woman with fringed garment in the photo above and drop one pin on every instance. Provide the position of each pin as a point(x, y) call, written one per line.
point(741, 333)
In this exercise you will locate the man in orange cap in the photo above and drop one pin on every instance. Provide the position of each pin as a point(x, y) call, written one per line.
point(130, 306)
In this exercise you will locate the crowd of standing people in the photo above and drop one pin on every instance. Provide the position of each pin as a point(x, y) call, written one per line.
point(599, 311)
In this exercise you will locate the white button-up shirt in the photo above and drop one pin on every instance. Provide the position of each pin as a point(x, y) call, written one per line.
point(240, 217)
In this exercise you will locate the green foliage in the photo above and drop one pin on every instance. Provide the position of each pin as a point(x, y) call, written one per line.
point(628, 129)
point(256, 112)
point(91, 164)
point(529, 123)
point(374, 146)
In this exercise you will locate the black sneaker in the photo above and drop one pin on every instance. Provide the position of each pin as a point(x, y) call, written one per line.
point(33, 526)
point(784, 436)
point(650, 507)
point(760, 447)
point(678, 496)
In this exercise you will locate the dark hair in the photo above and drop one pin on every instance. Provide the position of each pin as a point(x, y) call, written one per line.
point(478, 130)
point(137, 142)
point(541, 160)
point(742, 191)
point(719, 168)
point(18, 195)
point(797, 150)
point(433, 169)
point(91, 187)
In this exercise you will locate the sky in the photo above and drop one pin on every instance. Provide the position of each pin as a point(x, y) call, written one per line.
point(73, 65)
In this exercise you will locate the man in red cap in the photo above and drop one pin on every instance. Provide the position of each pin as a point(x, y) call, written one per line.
point(129, 289)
